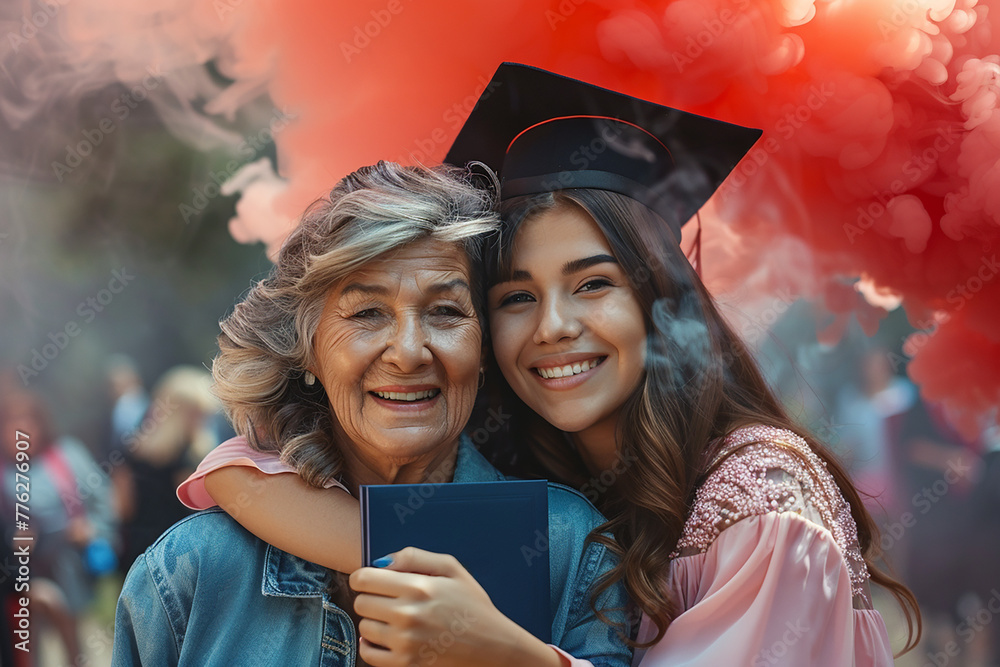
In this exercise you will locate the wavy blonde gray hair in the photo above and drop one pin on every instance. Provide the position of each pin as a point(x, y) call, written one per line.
point(266, 343)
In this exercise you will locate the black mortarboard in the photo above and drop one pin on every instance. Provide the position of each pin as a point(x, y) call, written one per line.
point(541, 132)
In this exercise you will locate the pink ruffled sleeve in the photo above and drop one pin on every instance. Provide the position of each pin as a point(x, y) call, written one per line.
point(233, 452)
point(772, 589)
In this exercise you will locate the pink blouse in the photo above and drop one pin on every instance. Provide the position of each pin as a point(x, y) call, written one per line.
point(233, 452)
point(768, 570)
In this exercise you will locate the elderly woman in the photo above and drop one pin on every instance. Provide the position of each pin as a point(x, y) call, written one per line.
point(361, 354)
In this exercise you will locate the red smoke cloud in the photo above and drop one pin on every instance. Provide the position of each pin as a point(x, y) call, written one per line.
point(880, 158)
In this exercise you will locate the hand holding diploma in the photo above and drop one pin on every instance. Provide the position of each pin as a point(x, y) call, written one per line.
point(424, 608)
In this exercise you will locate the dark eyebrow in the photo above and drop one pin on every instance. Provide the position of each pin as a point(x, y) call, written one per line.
point(569, 268)
point(518, 276)
point(575, 265)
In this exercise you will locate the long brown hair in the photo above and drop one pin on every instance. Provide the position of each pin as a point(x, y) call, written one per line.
point(701, 383)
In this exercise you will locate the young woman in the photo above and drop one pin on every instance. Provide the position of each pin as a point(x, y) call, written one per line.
point(742, 541)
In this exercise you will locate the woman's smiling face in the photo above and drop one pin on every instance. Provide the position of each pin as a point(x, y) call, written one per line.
point(398, 350)
point(568, 331)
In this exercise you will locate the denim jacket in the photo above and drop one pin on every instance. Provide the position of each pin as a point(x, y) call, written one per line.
point(193, 598)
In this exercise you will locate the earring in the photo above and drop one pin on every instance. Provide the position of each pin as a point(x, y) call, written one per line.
point(309, 378)
point(482, 377)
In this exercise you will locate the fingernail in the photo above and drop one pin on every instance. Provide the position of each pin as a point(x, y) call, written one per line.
point(384, 561)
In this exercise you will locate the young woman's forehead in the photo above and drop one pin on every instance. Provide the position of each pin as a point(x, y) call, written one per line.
point(560, 231)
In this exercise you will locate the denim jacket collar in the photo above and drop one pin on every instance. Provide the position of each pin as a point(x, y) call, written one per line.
point(286, 575)
point(471, 466)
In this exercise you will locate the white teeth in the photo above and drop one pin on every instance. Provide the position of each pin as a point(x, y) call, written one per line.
point(407, 396)
point(568, 369)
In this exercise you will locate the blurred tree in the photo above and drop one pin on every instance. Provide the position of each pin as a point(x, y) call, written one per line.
point(97, 258)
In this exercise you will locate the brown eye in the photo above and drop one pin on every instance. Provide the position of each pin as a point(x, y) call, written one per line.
point(517, 297)
point(447, 311)
point(596, 284)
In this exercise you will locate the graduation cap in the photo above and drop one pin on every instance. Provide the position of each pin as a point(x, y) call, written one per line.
point(542, 132)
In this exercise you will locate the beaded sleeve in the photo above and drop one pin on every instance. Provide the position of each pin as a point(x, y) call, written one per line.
point(765, 469)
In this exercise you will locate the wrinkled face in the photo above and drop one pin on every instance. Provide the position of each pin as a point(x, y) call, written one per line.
point(568, 330)
point(398, 351)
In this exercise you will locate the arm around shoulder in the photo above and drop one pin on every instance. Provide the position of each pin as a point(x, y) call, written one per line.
point(320, 525)
point(269, 499)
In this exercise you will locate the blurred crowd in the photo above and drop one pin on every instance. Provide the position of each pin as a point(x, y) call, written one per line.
point(936, 497)
point(94, 507)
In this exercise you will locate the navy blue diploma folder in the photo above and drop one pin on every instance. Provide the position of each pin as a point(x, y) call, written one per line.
point(498, 531)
